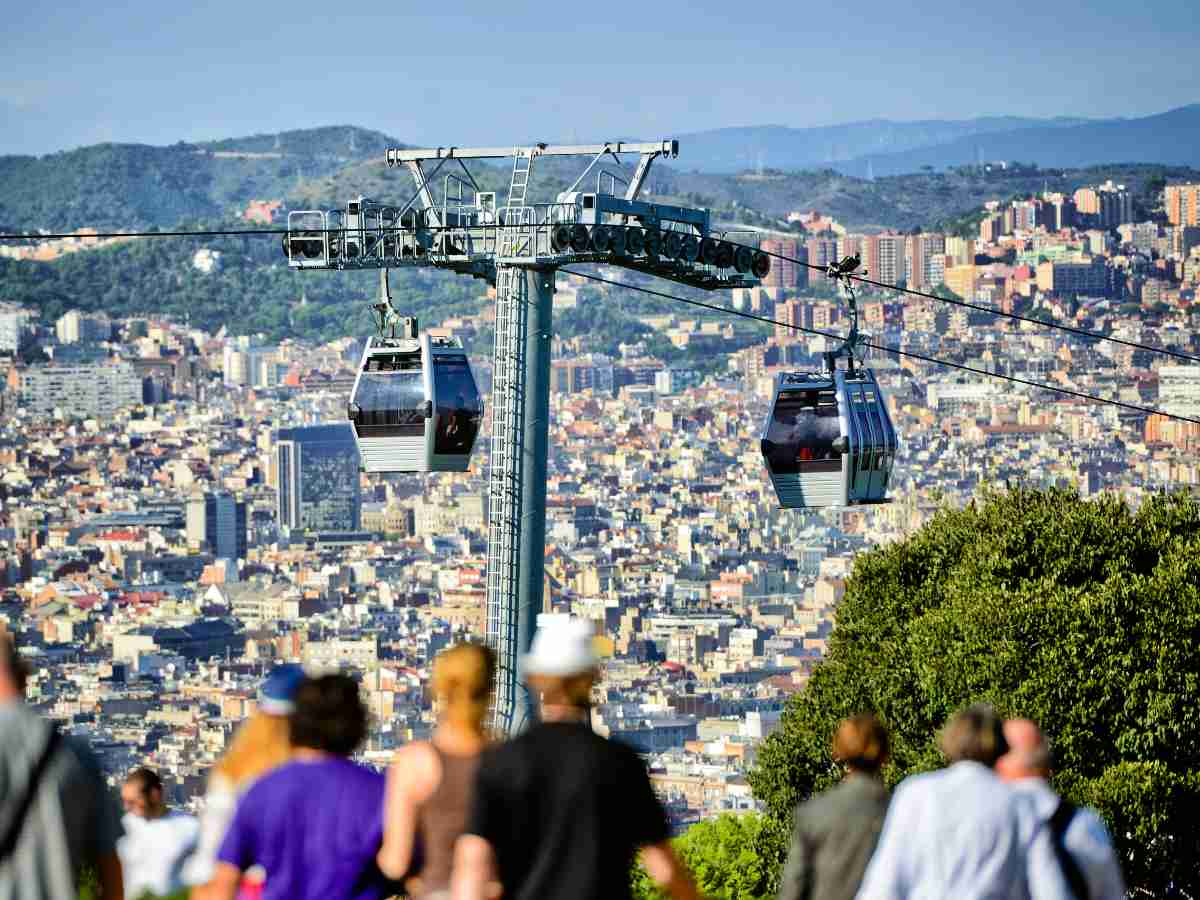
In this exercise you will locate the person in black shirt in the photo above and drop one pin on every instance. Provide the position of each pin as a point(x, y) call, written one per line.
point(559, 811)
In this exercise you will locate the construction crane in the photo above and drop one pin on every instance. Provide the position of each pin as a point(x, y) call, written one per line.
point(517, 246)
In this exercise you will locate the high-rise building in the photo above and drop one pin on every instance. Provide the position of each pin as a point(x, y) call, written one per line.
point(822, 251)
point(75, 327)
point(1106, 206)
point(960, 251)
point(218, 520)
point(1057, 212)
point(785, 274)
point(925, 260)
point(591, 372)
point(84, 391)
point(1179, 390)
point(1183, 204)
point(991, 229)
point(1070, 278)
point(883, 257)
point(246, 364)
point(317, 479)
point(14, 328)
point(849, 244)
point(1025, 215)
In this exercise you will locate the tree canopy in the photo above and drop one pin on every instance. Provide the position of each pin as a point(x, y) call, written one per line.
point(721, 855)
point(1082, 615)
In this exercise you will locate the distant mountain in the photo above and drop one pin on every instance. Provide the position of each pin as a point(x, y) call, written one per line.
point(1170, 138)
point(789, 149)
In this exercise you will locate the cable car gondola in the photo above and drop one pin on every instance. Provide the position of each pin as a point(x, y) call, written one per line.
point(415, 406)
point(828, 439)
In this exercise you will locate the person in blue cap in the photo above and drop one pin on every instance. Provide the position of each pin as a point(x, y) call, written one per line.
point(260, 745)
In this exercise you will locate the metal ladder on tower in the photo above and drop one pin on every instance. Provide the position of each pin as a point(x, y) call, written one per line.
point(518, 233)
point(504, 485)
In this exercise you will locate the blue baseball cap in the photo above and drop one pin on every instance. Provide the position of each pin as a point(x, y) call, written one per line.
point(278, 690)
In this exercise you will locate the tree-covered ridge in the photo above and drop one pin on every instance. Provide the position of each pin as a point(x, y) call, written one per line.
point(132, 186)
point(1082, 615)
point(252, 291)
point(127, 186)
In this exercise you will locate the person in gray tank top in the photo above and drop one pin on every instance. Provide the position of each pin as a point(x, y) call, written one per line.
point(430, 783)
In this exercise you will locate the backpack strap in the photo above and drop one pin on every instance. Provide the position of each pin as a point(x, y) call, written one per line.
point(1059, 822)
point(12, 832)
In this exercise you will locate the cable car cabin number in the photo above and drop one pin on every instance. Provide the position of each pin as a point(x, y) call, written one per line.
point(829, 440)
point(415, 406)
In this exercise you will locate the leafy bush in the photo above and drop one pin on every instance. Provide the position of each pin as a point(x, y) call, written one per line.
point(721, 855)
point(1082, 615)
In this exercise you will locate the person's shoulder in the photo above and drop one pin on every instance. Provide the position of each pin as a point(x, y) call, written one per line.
point(179, 825)
point(352, 772)
point(919, 783)
point(78, 763)
point(418, 755)
point(1088, 826)
point(849, 792)
point(272, 781)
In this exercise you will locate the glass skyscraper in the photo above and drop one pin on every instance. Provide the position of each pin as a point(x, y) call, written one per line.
point(318, 479)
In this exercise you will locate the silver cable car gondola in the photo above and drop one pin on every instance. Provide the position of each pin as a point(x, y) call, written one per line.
point(415, 406)
point(828, 439)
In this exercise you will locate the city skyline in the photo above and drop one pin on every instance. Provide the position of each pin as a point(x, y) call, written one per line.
point(475, 76)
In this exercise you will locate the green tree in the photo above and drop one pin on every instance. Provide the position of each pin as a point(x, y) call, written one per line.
point(721, 855)
point(1082, 615)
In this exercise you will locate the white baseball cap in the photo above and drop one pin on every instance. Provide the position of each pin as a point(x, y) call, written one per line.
point(561, 648)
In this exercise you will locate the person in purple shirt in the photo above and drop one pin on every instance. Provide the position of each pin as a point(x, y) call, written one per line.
point(315, 823)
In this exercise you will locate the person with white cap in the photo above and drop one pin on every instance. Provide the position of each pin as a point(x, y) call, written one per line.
point(559, 811)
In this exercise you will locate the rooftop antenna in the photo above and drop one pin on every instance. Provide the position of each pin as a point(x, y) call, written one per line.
point(518, 246)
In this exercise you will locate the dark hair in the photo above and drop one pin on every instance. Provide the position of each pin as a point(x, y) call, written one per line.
point(329, 715)
point(861, 742)
point(147, 780)
point(976, 734)
point(11, 662)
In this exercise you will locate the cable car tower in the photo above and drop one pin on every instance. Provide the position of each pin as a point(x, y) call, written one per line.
point(517, 246)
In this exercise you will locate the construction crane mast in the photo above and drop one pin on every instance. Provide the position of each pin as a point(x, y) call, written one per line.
point(517, 246)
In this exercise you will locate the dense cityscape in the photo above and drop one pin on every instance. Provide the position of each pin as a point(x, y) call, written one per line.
point(181, 510)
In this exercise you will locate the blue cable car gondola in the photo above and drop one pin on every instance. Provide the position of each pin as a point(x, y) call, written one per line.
point(828, 439)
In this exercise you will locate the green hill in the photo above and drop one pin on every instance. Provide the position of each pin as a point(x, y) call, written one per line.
point(130, 186)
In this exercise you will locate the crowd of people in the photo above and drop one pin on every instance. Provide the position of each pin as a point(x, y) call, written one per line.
point(555, 812)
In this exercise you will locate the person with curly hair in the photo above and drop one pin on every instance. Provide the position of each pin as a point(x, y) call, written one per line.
point(314, 823)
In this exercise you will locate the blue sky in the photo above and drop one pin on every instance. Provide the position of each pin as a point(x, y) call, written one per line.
point(77, 73)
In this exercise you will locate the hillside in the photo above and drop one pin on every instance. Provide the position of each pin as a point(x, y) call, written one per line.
point(124, 186)
point(252, 291)
point(130, 186)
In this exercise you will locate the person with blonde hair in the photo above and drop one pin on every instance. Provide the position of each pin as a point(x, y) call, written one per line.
point(834, 834)
point(430, 783)
point(259, 745)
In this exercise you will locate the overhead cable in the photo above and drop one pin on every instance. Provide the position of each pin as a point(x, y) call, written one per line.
point(1082, 332)
point(1016, 317)
point(1095, 398)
